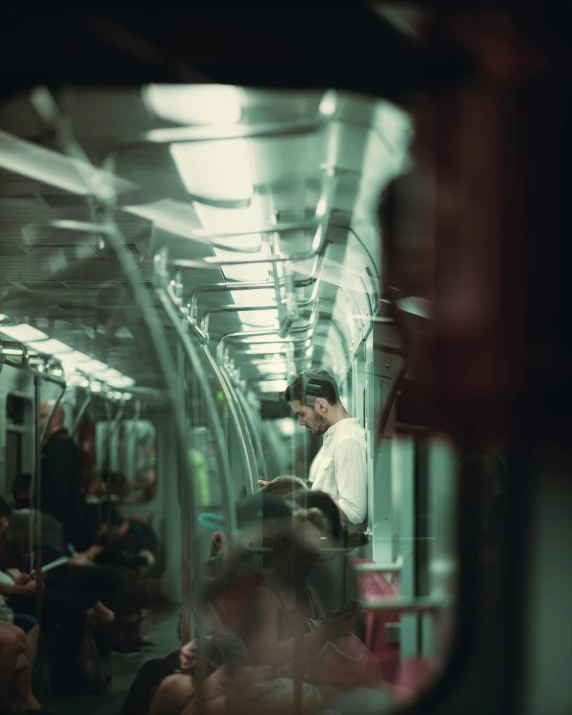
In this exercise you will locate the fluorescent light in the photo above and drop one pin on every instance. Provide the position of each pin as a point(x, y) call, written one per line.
point(273, 385)
point(247, 271)
point(93, 367)
point(76, 380)
point(270, 367)
point(267, 349)
point(256, 318)
point(22, 333)
point(217, 171)
point(109, 374)
point(195, 104)
point(328, 104)
point(122, 381)
point(50, 347)
point(74, 358)
point(215, 218)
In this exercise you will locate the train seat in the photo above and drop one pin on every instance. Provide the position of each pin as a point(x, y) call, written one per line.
point(374, 586)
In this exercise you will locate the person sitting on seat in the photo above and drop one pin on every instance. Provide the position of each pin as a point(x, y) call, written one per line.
point(129, 542)
point(65, 610)
point(22, 686)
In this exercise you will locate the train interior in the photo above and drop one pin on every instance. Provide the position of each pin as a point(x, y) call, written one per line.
point(172, 255)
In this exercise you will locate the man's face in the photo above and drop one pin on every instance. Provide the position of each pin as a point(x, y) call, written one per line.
point(310, 417)
point(4, 524)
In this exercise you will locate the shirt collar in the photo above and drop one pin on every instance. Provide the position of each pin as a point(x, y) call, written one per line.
point(333, 429)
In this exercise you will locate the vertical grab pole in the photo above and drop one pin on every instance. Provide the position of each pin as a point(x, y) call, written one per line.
point(36, 493)
point(185, 502)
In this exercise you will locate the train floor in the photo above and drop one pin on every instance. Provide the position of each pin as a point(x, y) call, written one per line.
point(162, 631)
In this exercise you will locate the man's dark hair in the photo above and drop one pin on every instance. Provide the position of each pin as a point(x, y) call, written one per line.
point(5, 508)
point(310, 384)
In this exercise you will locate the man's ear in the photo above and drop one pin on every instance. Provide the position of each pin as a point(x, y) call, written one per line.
point(321, 405)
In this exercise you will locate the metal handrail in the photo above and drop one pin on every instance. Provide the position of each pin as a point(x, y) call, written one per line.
point(81, 412)
point(394, 567)
point(202, 133)
point(203, 331)
point(245, 442)
point(407, 605)
point(173, 310)
point(245, 334)
point(254, 285)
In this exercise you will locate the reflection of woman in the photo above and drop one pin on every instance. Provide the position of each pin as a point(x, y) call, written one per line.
point(284, 607)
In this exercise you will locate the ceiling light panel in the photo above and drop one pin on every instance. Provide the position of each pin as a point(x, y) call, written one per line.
point(195, 104)
point(273, 385)
point(50, 347)
point(215, 171)
point(22, 333)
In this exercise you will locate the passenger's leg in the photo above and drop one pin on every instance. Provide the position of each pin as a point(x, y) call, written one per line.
point(22, 685)
point(66, 610)
point(142, 691)
point(10, 649)
point(172, 696)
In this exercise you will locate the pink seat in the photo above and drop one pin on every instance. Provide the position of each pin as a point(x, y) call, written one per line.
point(373, 587)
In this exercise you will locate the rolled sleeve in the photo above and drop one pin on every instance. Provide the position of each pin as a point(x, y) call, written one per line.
point(351, 475)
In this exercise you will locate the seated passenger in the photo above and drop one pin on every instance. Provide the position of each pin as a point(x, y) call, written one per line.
point(16, 678)
point(65, 611)
point(127, 542)
point(285, 613)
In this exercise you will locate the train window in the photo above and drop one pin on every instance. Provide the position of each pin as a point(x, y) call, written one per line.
point(126, 460)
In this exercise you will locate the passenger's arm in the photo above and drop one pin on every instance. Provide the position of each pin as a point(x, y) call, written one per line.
point(14, 589)
point(351, 473)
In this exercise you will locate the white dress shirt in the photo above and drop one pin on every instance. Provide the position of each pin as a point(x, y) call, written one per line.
point(339, 468)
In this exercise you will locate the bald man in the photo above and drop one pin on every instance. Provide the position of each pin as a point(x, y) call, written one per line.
point(62, 495)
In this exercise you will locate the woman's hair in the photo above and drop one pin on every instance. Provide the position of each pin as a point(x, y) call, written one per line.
point(288, 534)
point(317, 500)
point(284, 486)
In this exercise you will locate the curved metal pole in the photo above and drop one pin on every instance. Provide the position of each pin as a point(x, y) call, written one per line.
point(244, 437)
point(174, 314)
point(80, 415)
point(104, 195)
point(249, 419)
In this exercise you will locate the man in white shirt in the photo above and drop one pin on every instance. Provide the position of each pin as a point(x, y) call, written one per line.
point(340, 466)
